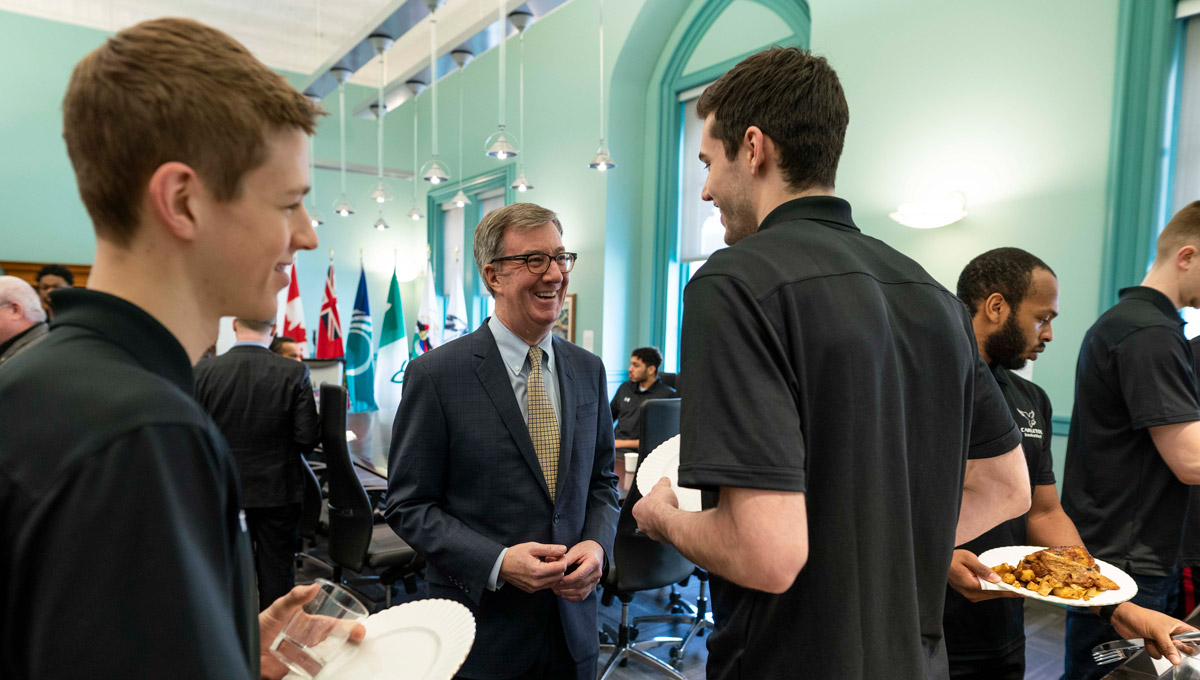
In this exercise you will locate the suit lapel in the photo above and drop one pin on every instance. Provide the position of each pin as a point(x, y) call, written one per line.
point(567, 400)
point(492, 374)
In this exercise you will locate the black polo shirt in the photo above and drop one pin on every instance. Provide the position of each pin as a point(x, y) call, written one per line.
point(627, 407)
point(124, 555)
point(1135, 371)
point(978, 630)
point(819, 360)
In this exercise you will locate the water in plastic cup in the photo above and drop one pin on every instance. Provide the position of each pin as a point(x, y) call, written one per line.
point(318, 633)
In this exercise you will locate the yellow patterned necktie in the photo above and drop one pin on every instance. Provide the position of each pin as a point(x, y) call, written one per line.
point(543, 426)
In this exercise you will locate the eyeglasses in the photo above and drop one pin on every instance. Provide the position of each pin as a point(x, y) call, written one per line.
point(539, 263)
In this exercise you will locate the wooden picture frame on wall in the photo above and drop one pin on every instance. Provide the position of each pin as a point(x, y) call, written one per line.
point(564, 326)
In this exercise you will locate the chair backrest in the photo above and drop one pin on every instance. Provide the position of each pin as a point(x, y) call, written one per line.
point(643, 563)
point(310, 519)
point(671, 380)
point(351, 520)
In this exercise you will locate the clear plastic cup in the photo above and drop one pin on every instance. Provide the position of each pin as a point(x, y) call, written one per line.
point(319, 632)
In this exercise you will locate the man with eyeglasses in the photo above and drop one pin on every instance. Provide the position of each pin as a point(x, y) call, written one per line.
point(501, 464)
point(22, 319)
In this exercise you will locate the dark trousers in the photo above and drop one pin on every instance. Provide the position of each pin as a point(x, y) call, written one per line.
point(1085, 630)
point(275, 534)
point(554, 660)
point(1189, 593)
point(1009, 666)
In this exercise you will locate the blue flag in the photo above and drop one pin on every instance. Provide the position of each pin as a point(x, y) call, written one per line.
point(360, 369)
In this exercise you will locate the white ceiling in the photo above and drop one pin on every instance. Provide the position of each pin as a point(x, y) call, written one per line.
point(297, 35)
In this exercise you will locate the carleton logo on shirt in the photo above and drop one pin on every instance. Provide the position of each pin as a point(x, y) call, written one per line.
point(1033, 430)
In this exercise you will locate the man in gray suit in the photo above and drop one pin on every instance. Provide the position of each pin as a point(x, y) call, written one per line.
point(22, 319)
point(501, 465)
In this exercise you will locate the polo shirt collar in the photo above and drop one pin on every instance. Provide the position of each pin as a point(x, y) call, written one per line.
point(513, 350)
point(1000, 374)
point(129, 327)
point(828, 209)
point(1155, 297)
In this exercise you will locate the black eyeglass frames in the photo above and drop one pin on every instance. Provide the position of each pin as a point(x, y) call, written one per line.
point(539, 263)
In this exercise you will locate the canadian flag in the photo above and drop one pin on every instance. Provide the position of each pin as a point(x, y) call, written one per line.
point(293, 316)
point(329, 339)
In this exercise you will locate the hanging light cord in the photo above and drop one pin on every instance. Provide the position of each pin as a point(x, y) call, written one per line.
point(462, 93)
point(503, 70)
point(601, 72)
point(382, 109)
point(342, 116)
point(312, 180)
point(416, 113)
point(433, 75)
point(521, 96)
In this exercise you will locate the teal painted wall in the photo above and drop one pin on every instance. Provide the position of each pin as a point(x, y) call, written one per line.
point(1008, 102)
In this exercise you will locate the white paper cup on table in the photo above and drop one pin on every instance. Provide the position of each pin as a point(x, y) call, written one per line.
point(631, 462)
point(319, 632)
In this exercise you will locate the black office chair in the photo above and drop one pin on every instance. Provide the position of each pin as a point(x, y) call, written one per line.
point(671, 380)
point(310, 521)
point(640, 563)
point(355, 541)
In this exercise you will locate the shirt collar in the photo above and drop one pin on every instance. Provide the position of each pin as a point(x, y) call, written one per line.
point(127, 326)
point(1000, 374)
point(251, 343)
point(514, 351)
point(13, 340)
point(829, 209)
point(1155, 297)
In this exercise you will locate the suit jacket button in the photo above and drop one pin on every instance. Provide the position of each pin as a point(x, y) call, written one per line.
point(557, 516)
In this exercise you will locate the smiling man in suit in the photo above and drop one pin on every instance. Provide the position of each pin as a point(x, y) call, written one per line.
point(501, 465)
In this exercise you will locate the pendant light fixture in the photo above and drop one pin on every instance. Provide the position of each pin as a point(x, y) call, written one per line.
point(380, 193)
point(520, 20)
point(602, 161)
point(501, 144)
point(434, 171)
point(415, 87)
point(342, 206)
point(462, 58)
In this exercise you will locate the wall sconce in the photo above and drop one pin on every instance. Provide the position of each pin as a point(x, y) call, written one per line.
point(932, 213)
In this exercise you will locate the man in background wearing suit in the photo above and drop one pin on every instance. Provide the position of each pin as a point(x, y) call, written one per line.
point(501, 465)
point(263, 404)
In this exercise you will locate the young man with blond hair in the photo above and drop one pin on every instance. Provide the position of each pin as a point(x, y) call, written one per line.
point(1134, 444)
point(126, 552)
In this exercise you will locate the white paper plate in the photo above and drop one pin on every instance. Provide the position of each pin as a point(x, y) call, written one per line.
point(422, 640)
point(1013, 555)
point(664, 462)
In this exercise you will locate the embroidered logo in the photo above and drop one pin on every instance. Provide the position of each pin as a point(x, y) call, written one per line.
point(1029, 415)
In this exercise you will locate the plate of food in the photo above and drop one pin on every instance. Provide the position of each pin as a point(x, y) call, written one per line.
point(664, 462)
point(425, 640)
point(1066, 575)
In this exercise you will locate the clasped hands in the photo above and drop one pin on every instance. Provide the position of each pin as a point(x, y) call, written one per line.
point(571, 574)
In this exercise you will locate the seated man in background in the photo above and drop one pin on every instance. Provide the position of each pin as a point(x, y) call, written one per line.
point(50, 278)
point(263, 404)
point(287, 348)
point(1013, 298)
point(126, 553)
point(643, 384)
point(1134, 443)
point(22, 319)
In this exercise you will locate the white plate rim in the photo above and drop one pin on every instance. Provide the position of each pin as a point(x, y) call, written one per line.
point(995, 556)
point(452, 622)
point(663, 461)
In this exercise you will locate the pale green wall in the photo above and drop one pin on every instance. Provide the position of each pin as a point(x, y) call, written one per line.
point(743, 26)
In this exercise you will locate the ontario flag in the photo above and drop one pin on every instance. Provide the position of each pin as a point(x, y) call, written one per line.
point(329, 340)
point(293, 316)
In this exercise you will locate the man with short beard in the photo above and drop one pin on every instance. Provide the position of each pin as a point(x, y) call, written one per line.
point(1013, 298)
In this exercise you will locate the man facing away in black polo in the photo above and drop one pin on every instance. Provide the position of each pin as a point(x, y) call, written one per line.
point(1134, 443)
point(838, 417)
point(643, 385)
point(263, 404)
point(125, 550)
point(1013, 299)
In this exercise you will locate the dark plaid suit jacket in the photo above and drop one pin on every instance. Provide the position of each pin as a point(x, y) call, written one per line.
point(464, 482)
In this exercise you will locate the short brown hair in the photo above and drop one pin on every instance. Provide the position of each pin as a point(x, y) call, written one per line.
point(489, 235)
point(795, 99)
point(170, 90)
point(1182, 230)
